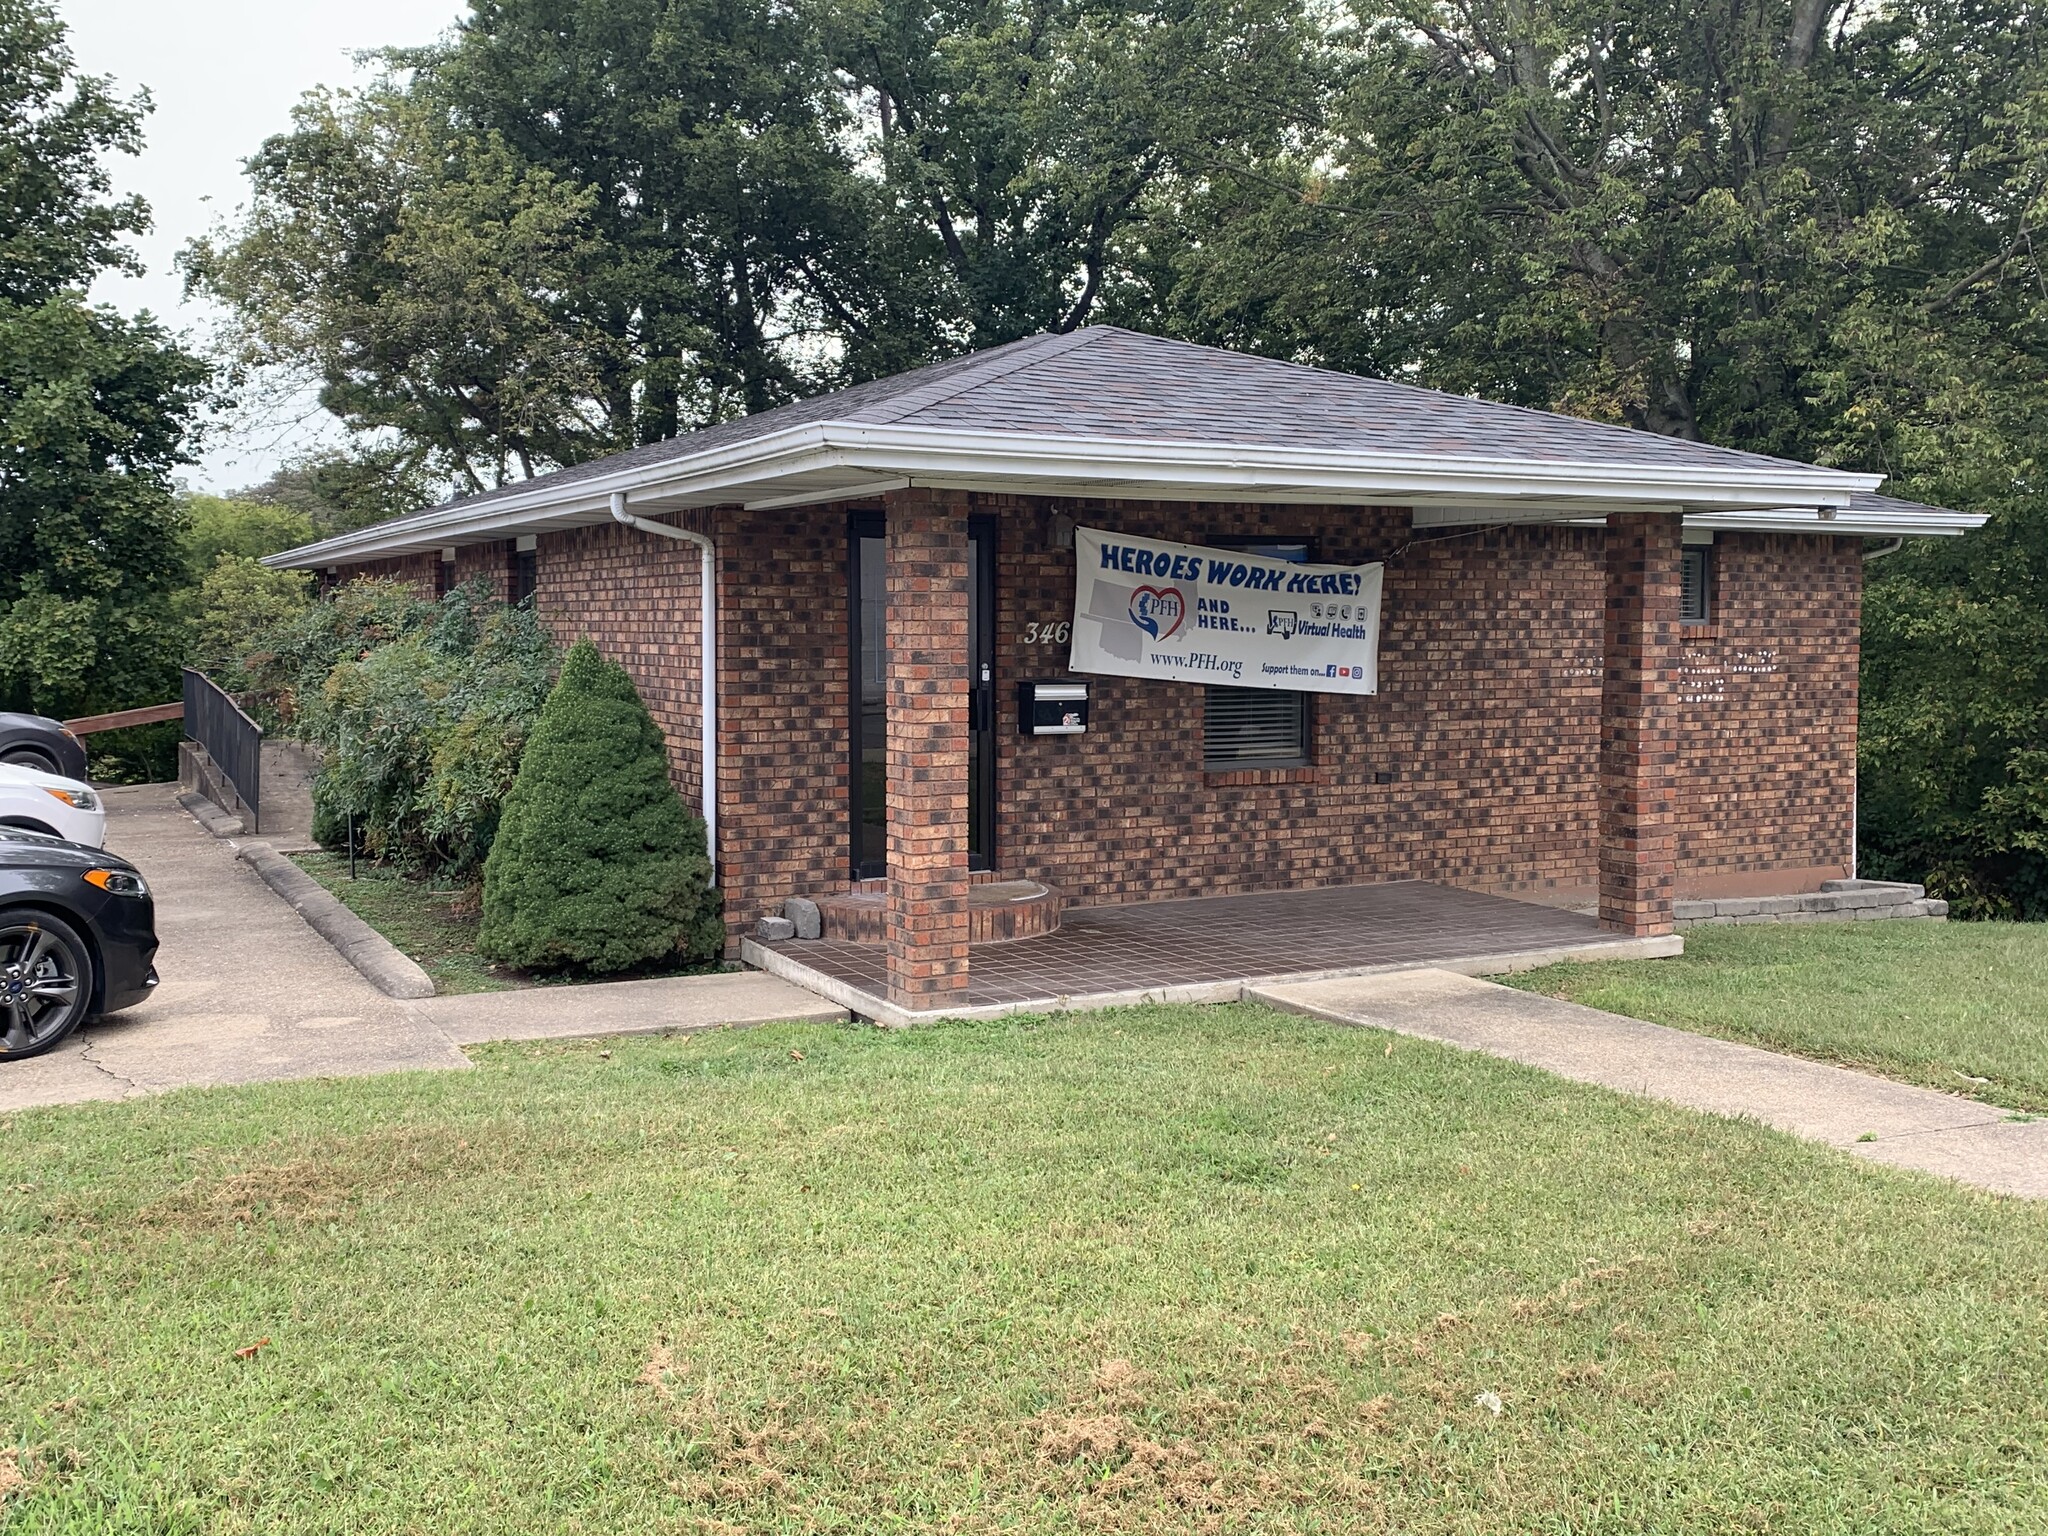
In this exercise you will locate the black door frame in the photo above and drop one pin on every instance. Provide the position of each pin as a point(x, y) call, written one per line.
point(981, 698)
point(981, 695)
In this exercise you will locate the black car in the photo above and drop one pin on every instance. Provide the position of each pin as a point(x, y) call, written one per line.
point(77, 938)
point(35, 741)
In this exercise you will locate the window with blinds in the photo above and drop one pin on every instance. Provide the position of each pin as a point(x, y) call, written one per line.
point(1694, 598)
point(1256, 727)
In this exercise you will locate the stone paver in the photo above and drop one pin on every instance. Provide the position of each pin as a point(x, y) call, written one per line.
point(251, 994)
point(1872, 1117)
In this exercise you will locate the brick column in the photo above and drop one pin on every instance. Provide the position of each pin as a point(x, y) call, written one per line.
point(1638, 718)
point(927, 706)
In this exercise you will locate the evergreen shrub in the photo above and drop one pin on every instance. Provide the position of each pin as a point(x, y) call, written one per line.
point(598, 865)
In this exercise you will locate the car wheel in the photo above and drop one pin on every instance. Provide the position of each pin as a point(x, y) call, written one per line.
point(45, 982)
point(27, 757)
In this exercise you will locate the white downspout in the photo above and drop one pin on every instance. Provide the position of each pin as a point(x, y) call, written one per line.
point(709, 680)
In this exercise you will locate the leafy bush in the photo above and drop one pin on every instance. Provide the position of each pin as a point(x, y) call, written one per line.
point(421, 709)
point(238, 602)
point(598, 864)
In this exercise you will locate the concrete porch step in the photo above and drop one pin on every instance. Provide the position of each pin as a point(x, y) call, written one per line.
point(999, 908)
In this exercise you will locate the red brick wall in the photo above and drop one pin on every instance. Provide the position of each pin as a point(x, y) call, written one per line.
point(785, 790)
point(1639, 723)
point(636, 595)
point(492, 562)
point(1486, 726)
point(1768, 712)
point(1487, 722)
point(416, 570)
point(927, 731)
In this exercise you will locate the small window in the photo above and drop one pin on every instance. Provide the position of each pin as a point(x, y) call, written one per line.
point(525, 574)
point(1256, 727)
point(1695, 595)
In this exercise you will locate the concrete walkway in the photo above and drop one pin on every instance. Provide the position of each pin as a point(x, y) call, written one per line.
point(250, 994)
point(1872, 1117)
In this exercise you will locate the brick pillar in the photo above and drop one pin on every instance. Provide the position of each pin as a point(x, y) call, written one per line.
point(927, 705)
point(1638, 719)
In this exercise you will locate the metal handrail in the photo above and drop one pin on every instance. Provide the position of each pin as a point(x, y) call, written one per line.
point(230, 737)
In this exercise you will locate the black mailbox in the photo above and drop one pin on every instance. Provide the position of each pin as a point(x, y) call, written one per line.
point(1052, 709)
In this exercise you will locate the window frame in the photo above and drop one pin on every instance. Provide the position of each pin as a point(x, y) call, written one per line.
point(1704, 616)
point(522, 570)
point(1304, 700)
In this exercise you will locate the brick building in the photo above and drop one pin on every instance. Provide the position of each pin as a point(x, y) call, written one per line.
point(1611, 667)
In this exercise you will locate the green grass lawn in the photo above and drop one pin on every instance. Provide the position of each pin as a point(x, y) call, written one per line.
point(1957, 1006)
point(1163, 1269)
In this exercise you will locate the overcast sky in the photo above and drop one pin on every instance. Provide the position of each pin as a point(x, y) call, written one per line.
point(223, 75)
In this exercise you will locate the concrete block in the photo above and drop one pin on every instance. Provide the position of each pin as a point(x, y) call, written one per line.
point(772, 929)
point(1936, 907)
point(1739, 906)
point(803, 913)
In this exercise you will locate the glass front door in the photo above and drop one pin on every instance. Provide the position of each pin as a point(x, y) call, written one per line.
point(869, 644)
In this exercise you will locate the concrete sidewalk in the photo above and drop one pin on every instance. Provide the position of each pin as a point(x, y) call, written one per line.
point(1872, 1117)
point(250, 994)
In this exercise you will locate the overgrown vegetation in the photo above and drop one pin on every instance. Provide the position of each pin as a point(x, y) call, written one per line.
point(421, 710)
point(95, 407)
point(1168, 1269)
point(597, 865)
point(1961, 1007)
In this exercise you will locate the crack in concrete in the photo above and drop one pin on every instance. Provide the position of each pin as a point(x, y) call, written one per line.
point(86, 1047)
point(1933, 1130)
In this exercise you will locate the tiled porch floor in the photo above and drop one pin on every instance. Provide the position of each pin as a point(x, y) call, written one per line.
point(1223, 938)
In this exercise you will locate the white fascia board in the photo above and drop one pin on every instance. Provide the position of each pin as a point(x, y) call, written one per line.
point(1470, 516)
point(1028, 462)
point(1934, 523)
point(929, 453)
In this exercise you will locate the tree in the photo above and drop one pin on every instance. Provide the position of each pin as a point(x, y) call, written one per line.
point(1034, 153)
point(226, 525)
point(339, 491)
point(597, 866)
point(576, 225)
point(1802, 228)
point(409, 265)
point(238, 600)
point(94, 408)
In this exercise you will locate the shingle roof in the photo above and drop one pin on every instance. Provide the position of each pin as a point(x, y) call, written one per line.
point(1106, 382)
point(1107, 407)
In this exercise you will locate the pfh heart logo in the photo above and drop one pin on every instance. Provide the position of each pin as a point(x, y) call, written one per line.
point(1158, 610)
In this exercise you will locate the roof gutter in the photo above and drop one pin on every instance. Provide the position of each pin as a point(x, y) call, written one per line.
point(707, 681)
point(953, 458)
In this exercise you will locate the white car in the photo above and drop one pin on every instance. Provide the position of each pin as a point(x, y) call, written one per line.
point(49, 802)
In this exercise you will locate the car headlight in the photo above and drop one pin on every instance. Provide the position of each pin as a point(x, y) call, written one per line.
point(77, 799)
point(117, 882)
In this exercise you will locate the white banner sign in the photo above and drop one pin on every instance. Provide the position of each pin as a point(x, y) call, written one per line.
point(1190, 614)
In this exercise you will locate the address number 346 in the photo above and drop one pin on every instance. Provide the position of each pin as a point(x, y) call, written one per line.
point(1047, 634)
